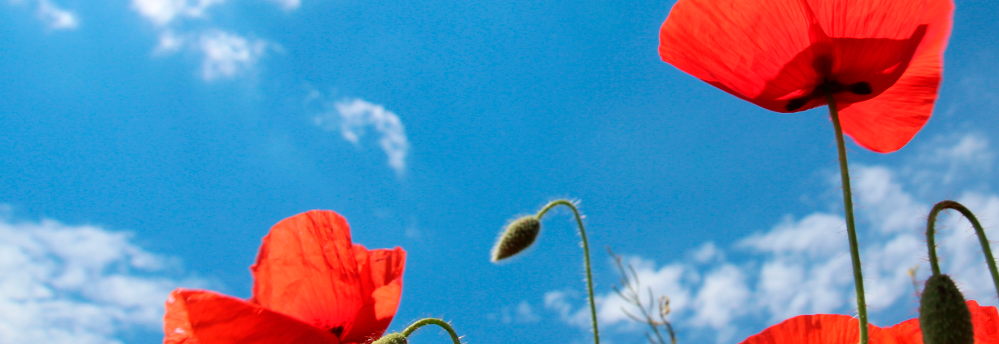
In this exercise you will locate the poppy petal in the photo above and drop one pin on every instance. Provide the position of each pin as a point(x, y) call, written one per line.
point(306, 269)
point(906, 332)
point(381, 281)
point(194, 317)
point(810, 329)
point(887, 122)
point(755, 50)
point(986, 323)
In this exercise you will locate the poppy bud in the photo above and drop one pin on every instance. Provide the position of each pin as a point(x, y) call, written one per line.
point(392, 338)
point(943, 315)
point(520, 234)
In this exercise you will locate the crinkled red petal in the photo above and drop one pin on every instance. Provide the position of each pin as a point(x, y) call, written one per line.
point(381, 280)
point(888, 122)
point(307, 269)
point(204, 317)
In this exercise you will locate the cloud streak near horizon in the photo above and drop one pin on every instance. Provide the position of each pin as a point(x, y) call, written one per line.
point(78, 284)
point(802, 265)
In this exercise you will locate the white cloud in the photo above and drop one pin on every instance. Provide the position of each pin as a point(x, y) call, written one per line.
point(955, 159)
point(52, 15)
point(56, 17)
point(185, 25)
point(170, 42)
point(803, 266)
point(162, 12)
point(288, 5)
point(354, 117)
point(76, 284)
point(522, 313)
point(227, 54)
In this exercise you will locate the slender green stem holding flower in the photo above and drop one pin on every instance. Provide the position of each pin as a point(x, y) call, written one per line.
point(851, 230)
point(454, 336)
point(991, 261)
point(586, 255)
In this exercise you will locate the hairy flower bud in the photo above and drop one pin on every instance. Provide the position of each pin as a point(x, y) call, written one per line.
point(392, 338)
point(943, 314)
point(520, 234)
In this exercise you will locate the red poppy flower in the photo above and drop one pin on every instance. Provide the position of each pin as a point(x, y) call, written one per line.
point(842, 329)
point(881, 59)
point(311, 285)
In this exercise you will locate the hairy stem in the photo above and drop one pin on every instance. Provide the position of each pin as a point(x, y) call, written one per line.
point(586, 256)
point(978, 229)
point(454, 336)
point(851, 230)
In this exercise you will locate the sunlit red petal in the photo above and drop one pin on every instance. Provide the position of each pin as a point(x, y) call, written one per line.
point(887, 122)
point(842, 329)
point(381, 279)
point(203, 317)
point(810, 329)
point(307, 269)
point(986, 323)
point(776, 54)
point(742, 47)
point(906, 332)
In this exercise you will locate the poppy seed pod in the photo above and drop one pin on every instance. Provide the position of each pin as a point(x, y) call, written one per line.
point(392, 338)
point(943, 315)
point(520, 234)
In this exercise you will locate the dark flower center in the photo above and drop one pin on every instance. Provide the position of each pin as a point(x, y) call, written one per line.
point(823, 65)
point(831, 87)
point(337, 331)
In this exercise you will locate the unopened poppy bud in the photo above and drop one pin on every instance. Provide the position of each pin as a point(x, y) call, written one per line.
point(943, 315)
point(392, 338)
point(520, 234)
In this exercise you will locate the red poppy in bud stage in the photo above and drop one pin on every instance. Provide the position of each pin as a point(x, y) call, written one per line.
point(842, 329)
point(310, 285)
point(880, 59)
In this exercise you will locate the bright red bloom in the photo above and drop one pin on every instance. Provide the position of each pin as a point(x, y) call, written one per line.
point(311, 285)
point(881, 59)
point(842, 329)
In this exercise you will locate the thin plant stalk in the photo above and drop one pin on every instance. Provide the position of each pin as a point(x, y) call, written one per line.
point(631, 295)
point(586, 256)
point(851, 230)
point(978, 230)
point(428, 321)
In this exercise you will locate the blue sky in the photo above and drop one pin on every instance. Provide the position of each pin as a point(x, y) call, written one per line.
point(150, 144)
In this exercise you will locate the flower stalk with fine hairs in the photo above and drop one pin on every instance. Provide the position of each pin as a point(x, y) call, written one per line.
point(851, 229)
point(520, 234)
point(400, 338)
point(978, 230)
point(944, 316)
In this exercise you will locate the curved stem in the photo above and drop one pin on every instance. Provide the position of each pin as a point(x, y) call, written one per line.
point(586, 255)
point(851, 230)
point(454, 336)
point(978, 230)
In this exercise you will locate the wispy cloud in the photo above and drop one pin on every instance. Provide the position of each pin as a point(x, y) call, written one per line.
point(186, 25)
point(288, 4)
point(77, 284)
point(52, 15)
point(353, 118)
point(228, 55)
point(163, 12)
point(802, 266)
point(522, 313)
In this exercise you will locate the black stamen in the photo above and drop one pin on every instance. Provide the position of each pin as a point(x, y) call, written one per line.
point(861, 88)
point(337, 331)
point(797, 103)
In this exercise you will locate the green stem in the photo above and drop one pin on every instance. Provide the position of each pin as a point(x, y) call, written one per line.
point(454, 336)
point(978, 229)
point(586, 255)
point(851, 230)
